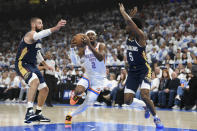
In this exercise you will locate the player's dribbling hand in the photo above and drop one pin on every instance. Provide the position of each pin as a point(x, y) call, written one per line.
point(85, 40)
point(60, 24)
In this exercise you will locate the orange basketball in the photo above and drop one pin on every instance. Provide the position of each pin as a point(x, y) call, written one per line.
point(77, 39)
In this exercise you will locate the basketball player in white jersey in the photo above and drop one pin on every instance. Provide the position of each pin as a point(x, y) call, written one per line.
point(95, 72)
point(94, 78)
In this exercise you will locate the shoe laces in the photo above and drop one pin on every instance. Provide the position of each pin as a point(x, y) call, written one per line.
point(75, 98)
point(68, 118)
point(157, 121)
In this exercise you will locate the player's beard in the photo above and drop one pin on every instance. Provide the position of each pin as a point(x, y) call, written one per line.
point(38, 30)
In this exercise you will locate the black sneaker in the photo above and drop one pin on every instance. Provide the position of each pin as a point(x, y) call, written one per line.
point(41, 118)
point(30, 116)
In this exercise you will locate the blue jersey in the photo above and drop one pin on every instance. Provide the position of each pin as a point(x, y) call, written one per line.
point(27, 52)
point(136, 55)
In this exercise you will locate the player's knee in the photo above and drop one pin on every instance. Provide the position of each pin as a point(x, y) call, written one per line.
point(46, 90)
point(145, 96)
point(79, 90)
point(35, 82)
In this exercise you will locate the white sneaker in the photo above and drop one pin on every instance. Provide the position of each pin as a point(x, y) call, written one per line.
point(194, 107)
point(7, 101)
point(175, 107)
point(14, 100)
point(178, 97)
point(25, 101)
point(125, 105)
point(116, 105)
point(97, 103)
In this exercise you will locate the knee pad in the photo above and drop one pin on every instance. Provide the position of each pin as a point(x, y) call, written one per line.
point(42, 85)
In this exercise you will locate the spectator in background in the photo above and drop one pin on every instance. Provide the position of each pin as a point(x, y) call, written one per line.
point(50, 78)
point(105, 94)
point(12, 91)
point(164, 81)
point(23, 89)
point(191, 98)
point(154, 88)
point(4, 82)
point(172, 89)
point(158, 72)
point(117, 90)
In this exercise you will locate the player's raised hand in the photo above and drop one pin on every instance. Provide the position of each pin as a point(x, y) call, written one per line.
point(133, 11)
point(60, 24)
point(122, 9)
point(85, 39)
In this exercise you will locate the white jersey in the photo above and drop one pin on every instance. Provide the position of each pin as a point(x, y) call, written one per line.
point(93, 67)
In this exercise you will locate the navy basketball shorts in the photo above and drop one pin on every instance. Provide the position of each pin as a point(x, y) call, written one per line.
point(29, 72)
point(138, 78)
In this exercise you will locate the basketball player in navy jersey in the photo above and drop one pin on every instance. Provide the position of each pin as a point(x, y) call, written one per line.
point(25, 65)
point(139, 74)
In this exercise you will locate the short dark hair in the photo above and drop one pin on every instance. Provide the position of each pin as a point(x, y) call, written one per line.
point(33, 19)
point(138, 22)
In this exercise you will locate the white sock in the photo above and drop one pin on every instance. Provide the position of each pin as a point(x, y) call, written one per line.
point(155, 116)
point(38, 108)
point(29, 104)
point(89, 100)
point(138, 103)
point(80, 109)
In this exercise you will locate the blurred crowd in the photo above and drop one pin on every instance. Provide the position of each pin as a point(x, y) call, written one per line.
point(171, 30)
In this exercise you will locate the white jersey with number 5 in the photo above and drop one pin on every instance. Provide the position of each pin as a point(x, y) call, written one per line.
point(93, 67)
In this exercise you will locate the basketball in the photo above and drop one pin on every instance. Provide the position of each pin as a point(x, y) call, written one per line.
point(77, 39)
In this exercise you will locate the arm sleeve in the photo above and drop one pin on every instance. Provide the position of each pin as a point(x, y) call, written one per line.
point(74, 58)
point(41, 34)
point(39, 57)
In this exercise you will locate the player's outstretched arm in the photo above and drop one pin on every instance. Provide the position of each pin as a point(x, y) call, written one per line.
point(134, 27)
point(32, 36)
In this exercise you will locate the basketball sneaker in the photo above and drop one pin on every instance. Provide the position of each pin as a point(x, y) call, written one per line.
point(158, 123)
point(147, 112)
point(30, 116)
point(42, 118)
point(74, 99)
point(68, 119)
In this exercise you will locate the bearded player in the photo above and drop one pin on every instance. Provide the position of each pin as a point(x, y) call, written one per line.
point(26, 66)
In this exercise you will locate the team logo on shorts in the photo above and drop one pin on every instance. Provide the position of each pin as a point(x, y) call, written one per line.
point(26, 76)
point(98, 89)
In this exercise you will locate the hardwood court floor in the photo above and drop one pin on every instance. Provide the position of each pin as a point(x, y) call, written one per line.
point(95, 118)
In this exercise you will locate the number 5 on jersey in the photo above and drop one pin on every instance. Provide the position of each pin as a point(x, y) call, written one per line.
point(130, 56)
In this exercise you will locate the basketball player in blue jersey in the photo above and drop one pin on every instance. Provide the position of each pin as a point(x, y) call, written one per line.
point(25, 65)
point(139, 74)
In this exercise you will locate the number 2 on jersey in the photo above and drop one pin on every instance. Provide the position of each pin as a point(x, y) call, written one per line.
point(93, 65)
point(130, 56)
